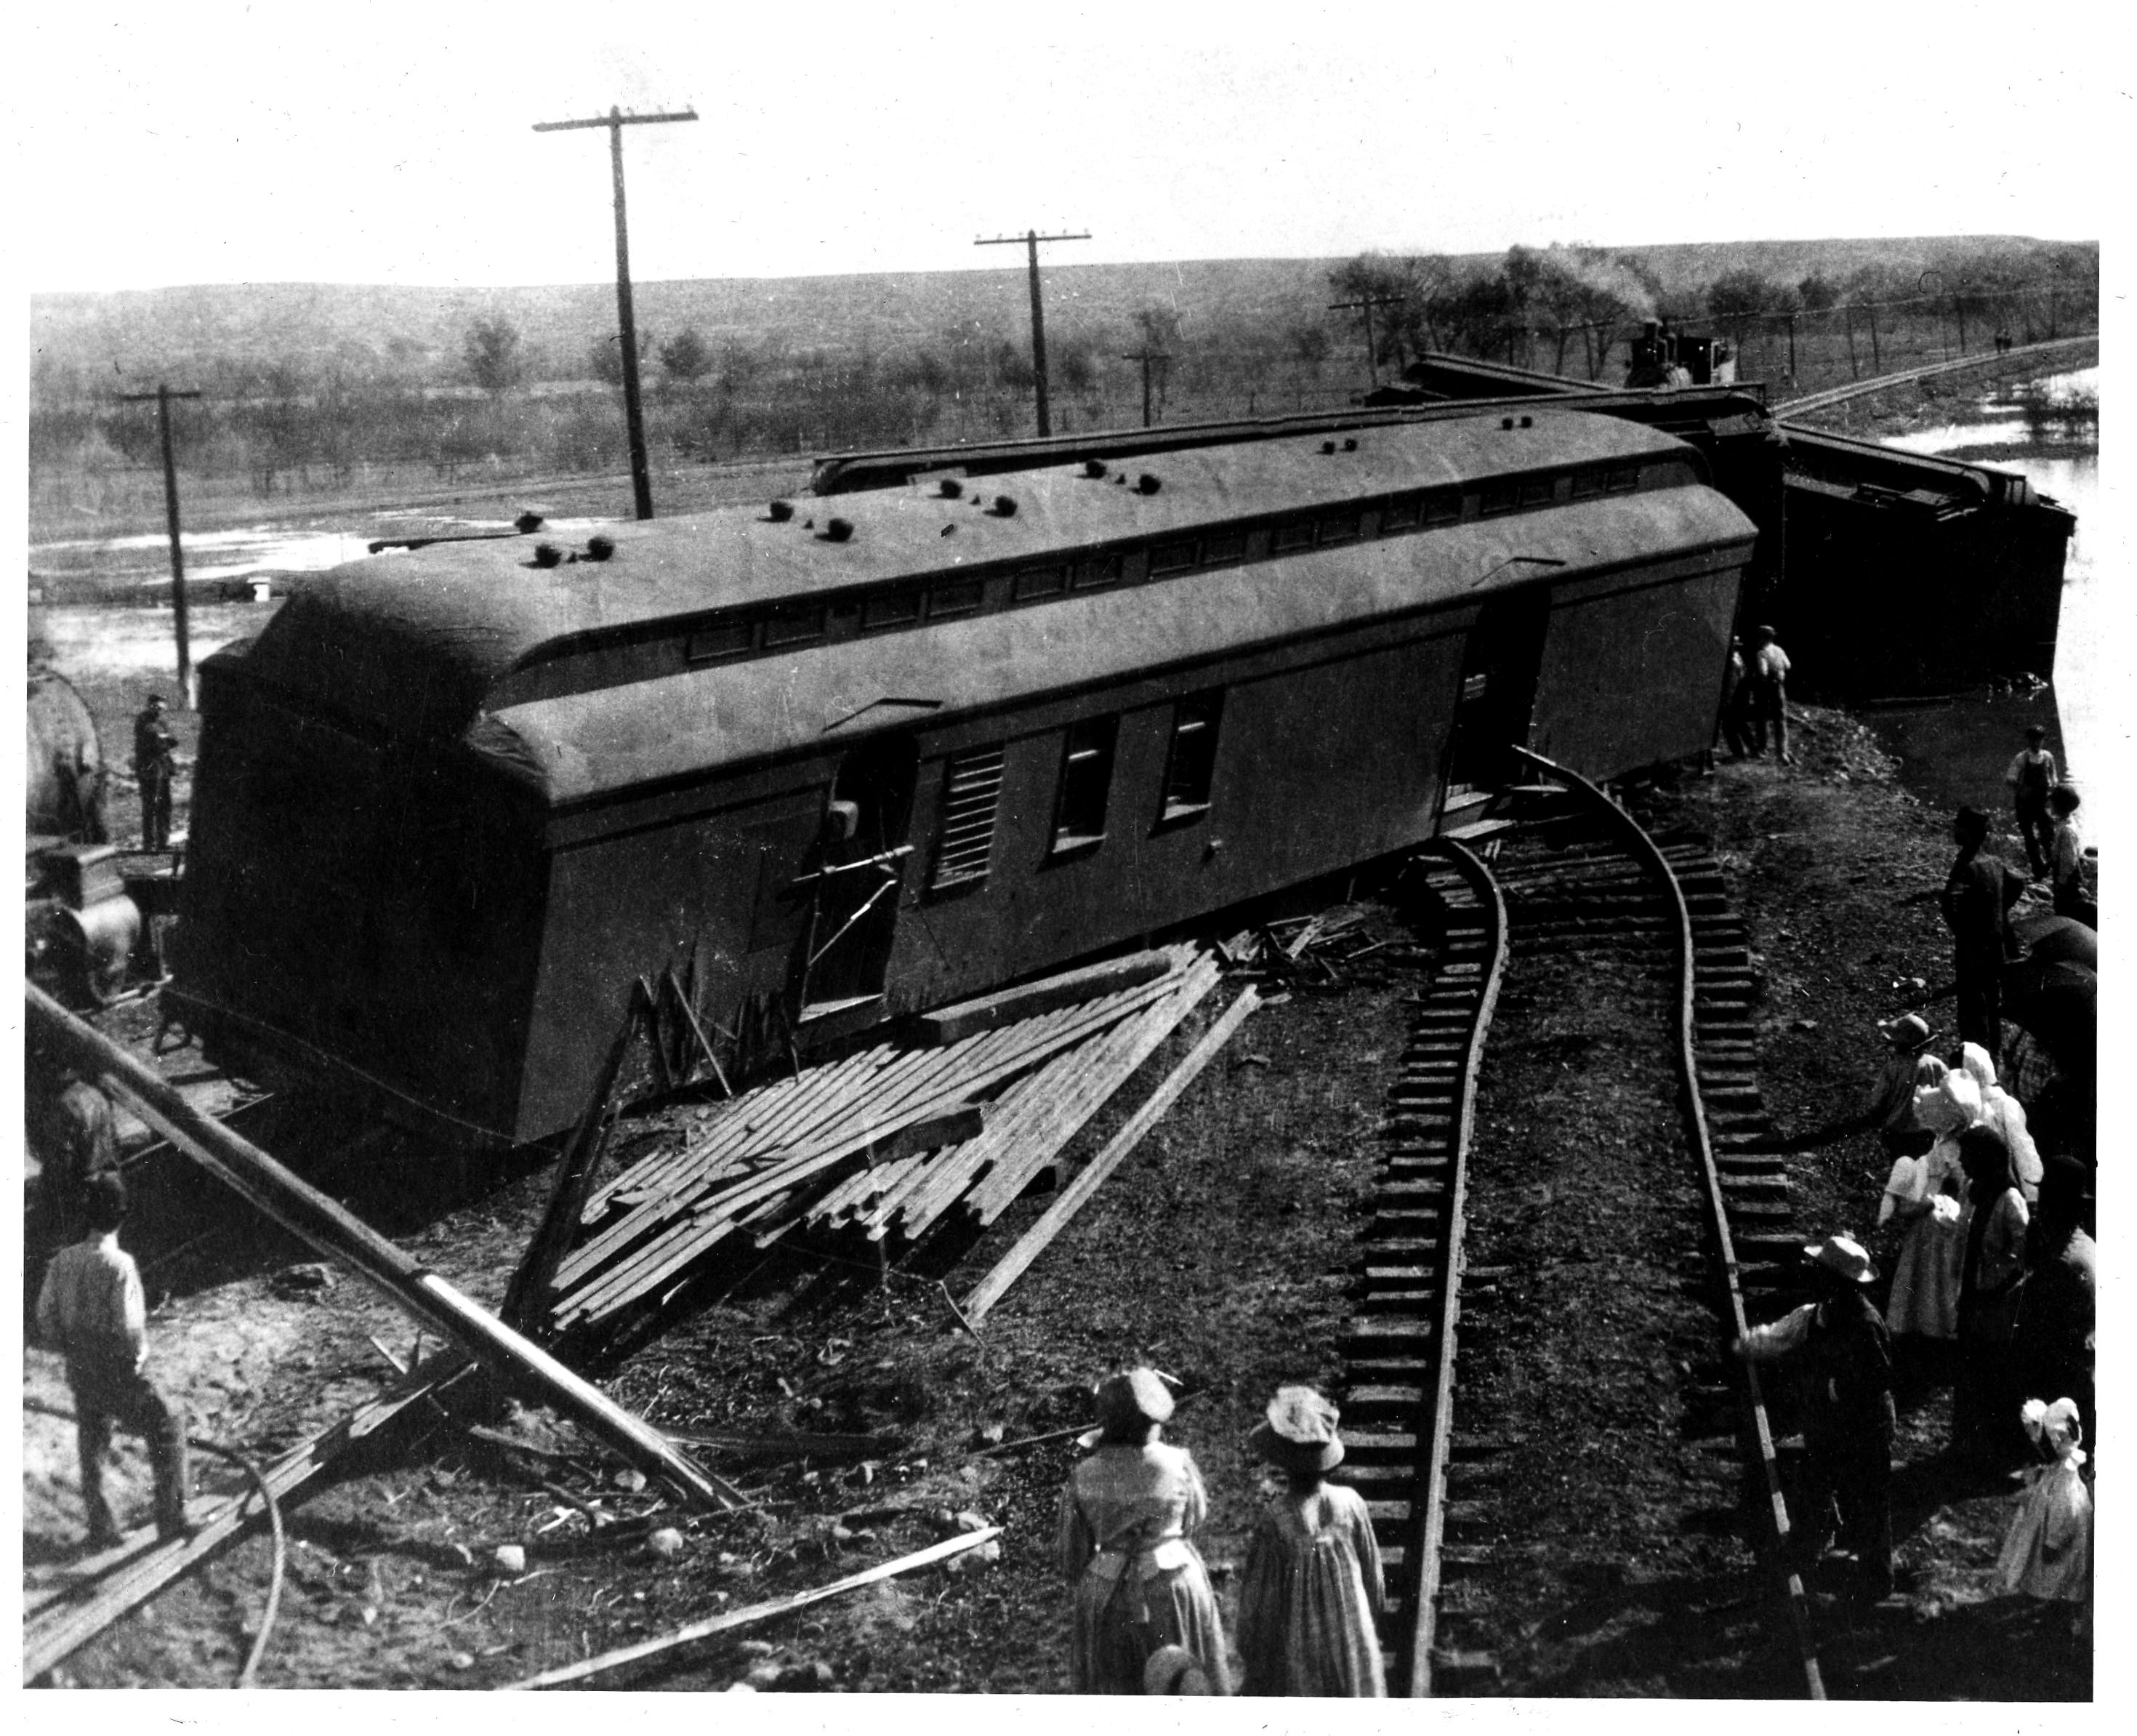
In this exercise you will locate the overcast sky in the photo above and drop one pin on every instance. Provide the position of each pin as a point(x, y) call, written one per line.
point(200, 141)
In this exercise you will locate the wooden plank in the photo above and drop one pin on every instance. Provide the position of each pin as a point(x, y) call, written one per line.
point(757, 1612)
point(1078, 1193)
point(68, 1616)
point(342, 1237)
point(948, 1024)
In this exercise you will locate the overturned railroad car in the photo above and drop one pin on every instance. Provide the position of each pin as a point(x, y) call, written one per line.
point(838, 759)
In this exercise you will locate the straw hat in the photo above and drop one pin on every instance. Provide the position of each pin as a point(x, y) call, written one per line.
point(1175, 1669)
point(1135, 1395)
point(1844, 1254)
point(1911, 1031)
point(1300, 1433)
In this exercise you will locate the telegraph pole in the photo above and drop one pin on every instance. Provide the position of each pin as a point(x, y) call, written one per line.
point(161, 397)
point(1147, 355)
point(1366, 303)
point(1031, 239)
point(616, 121)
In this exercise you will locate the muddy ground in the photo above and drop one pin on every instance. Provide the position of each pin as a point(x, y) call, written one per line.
point(1218, 1252)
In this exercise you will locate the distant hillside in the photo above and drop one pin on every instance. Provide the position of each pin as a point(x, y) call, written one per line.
point(420, 330)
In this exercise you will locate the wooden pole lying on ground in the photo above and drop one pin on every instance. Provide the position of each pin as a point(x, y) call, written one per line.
point(304, 1210)
point(1074, 1197)
point(759, 1611)
point(59, 1621)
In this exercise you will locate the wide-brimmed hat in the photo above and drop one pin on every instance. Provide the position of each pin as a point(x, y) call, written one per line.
point(1175, 1669)
point(1911, 1031)
point(1300, 1431)
point(2064, 1177)
point(1844, 1254)
point(1134, 1395)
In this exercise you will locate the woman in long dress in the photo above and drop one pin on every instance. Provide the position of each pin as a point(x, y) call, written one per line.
point(1984, 1402)
point(2047, 1552)
point(1924, 1195)
point(1313, 1584)
point(1127, 1514)
point(2003, 1111)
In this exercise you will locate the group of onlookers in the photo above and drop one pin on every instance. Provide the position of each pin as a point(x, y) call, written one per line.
point(1146, 1621)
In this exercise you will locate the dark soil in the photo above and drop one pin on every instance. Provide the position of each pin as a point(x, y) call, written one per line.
point(1218, 1251)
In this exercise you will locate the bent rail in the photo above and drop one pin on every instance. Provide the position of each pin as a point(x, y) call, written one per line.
point(1757, 1428)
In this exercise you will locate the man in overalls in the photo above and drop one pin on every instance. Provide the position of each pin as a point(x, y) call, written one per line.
point(155, 764)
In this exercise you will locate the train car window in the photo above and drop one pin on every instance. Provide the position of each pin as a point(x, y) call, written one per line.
point(722, 640)
point(1101, 569)
point(1192, 760)
point(1496, 497)
point(1587, 484)
point(1294, 534)
point(959, 597)
point(1086, 774)
point(890, 608)
point(1170, 558)
point(1624, 480)
point(1217, 550)
point(1443, 509)
point(963, 853)
point(1041, 582)
point(1537, 491)
point(1340, 527)
point(794, 625)
point(1405, 512)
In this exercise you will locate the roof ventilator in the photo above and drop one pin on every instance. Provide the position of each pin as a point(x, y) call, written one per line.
point(781, 511)
point(1528, 421)
point(950, 488)
point(599, 548)
point(527, 523)
point(1506, 424)
point(1004, 507)
point(549, 554)
point(1351, 446)
point(1094, 468)
point(837, 530)
point(1147, 484)
point(1328, 448)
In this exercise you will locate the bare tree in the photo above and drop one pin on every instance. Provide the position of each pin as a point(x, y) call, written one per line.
point(493, 357)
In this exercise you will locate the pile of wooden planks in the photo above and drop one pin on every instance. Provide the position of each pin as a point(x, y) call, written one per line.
point(881, 1144)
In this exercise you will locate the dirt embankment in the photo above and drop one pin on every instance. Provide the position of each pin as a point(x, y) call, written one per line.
point(1218, 1251)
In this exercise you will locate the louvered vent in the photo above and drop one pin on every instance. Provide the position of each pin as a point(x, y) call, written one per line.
point(968, 818)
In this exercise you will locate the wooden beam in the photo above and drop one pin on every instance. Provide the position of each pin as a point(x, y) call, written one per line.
point(1078, 1193)
point(61, 1620)
point(968, 1018)
point(757, 1612)
point(325, 1225)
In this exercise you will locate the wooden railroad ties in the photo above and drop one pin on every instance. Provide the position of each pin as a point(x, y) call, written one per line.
point(1398, 1399)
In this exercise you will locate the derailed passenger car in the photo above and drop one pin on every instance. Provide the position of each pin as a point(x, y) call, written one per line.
point(452, 804)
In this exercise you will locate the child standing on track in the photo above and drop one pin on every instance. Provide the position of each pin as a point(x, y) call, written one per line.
point(1313, 1584)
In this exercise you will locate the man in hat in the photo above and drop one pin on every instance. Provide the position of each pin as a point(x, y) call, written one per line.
point(91, 1309)
point(155, 764)
point(1838, 1341)
point(1976, 902)
point(2030, 777)
point(1766, 681)
point(76, 1141)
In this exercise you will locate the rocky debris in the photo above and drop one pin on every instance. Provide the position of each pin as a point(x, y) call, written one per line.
point(309, 1278)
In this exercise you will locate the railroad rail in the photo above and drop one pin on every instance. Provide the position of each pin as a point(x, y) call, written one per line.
point(1569, 871)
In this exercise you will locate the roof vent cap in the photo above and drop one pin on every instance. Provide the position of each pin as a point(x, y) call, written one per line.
point(527, 523)
point(1350, 446)
point(1004, 507)
point(599, 548)
point(1528, 421)
point(837, 530)
point(549, 554)
point(1506, 422)
point(1094, 468)
point(781, 511)
point(1147, 484)
point(950, 488)
point(1328, 448)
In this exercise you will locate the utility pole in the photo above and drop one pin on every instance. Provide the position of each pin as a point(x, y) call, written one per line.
point(616, 121)
point(1147, 355)
point(1031, 239)
point(1366, 303)
point(161, 397)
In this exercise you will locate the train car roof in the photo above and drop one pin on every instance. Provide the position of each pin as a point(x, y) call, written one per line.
point(413, 640)
point(581, 747)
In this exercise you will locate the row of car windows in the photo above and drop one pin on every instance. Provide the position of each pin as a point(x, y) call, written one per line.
point(964, 846)
point(908, 605)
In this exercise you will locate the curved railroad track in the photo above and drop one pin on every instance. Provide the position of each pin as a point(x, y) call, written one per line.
point(1445, 1409)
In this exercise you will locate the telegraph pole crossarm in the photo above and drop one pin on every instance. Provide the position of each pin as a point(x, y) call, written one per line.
point(616, 121)
point(161, 398)
point(1029, 241)
point(1367, 303)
